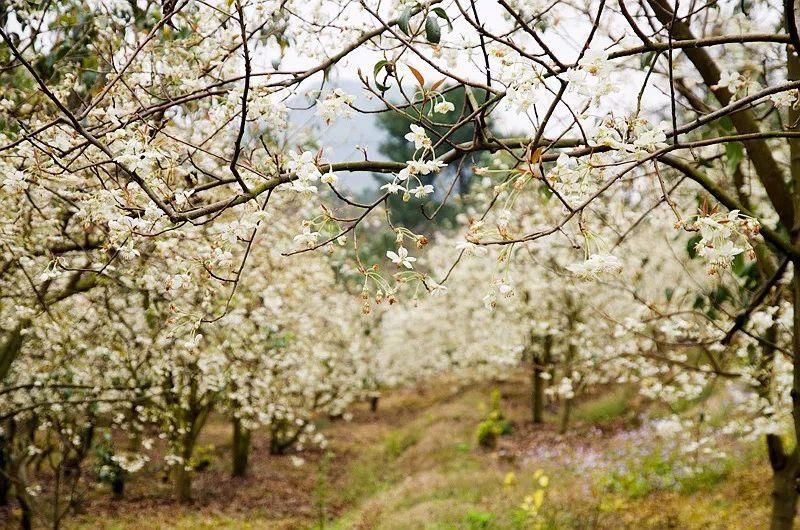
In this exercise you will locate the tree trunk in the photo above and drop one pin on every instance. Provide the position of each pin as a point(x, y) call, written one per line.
point(785, 466)
point(241, 448)
point(5, 479)
point(118, 488)
point(182, 475)
point(537, 395)
point(183, 482)
point(566, 412)
point(373, 404)
point(539, 362)
point(26, 519)
point(784, 484)
point(793, 74)
point(276, 446)
point(572, 352)
point(194, 420)
point(784, 499)
point(282, 439)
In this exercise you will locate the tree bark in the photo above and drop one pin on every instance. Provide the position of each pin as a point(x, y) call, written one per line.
point(566, 412)
point(26, 519)
point(784, 499)
point(793, 74)
point(537, 395)
point(181, 473)
point(572, 351)
point(537, 382)
point(183, 482)
point(5, 479)
point(241, 449)
point(785, 469)
point(118, 488)
point(281, 439)
point(784, 484)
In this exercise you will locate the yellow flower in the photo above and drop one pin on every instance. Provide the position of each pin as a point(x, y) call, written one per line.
point(538, 499)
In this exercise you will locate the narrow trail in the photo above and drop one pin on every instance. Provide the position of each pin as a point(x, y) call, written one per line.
point(415, 464)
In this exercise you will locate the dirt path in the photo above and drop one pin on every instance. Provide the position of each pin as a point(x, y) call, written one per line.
point(415, 464)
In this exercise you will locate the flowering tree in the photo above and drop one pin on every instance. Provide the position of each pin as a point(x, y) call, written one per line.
point(144, 147)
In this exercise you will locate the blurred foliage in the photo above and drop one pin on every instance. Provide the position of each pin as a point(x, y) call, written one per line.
point(494, 425)
point(396, 124)
point(656, 473)
point(414, 214)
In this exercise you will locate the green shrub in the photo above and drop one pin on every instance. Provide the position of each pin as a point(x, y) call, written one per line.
point(493, 425)
point(478, 520)
point(108, 469)
point(202, 458)
point(396, 443)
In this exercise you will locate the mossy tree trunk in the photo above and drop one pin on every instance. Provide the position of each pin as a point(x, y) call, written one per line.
point(241, 449)
point(194, 420)
point(572, 351)
point(539, 363)
point(181, 471)
point(26, 515)
point(566, 413)
point(785, 466)
point(283, 435)
point(182, 479)
point(5, 463)
point(784, 484)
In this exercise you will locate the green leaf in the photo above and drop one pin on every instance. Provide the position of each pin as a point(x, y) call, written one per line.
point(720, 295)
point(432, 30)
point(734, 153)
point(379, 66)
point(738, 265)
point(402, 22)
point(442, 14)
point(545, 193)
point(691, 244)
point(699, 302)
point(726, 124)
point(646, 59)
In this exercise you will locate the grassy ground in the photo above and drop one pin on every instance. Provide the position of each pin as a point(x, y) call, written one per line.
point(416, 465)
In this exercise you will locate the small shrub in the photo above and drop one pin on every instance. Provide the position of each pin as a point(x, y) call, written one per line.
point(478, 520)
point(494, 425)
point(462, 447)
point(396, 443)
point(202, 458)
point(108, 470)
